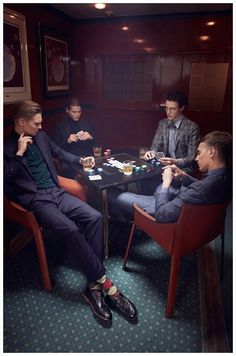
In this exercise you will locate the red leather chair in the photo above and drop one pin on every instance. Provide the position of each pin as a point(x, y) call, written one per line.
point(196, 226)
point(23, 217)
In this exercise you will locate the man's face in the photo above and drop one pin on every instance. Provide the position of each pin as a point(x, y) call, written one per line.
point(173, 110)
point(74, 112)
point(32, 126)
point(203, 157)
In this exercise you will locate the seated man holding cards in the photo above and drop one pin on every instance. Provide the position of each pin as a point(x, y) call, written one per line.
point(214, 160)
point(31, 180)
point(74, 135)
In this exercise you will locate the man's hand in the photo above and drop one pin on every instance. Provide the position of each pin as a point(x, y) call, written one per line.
point(167, 177)
point(167, 161)
point(90, 158)
point(84, 135)
point(23, 143)
point(73, 138)
point(149, 155)
point(177, 172)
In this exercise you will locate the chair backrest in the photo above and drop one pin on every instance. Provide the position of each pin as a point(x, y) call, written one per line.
point(198, 225)
point(18, 214)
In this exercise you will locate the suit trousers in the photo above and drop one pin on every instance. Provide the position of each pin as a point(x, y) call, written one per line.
point(79, 223)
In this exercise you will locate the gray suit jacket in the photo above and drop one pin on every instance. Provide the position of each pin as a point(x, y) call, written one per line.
point(187, 140)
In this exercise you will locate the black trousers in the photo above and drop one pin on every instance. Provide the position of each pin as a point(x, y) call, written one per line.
point(78, 222)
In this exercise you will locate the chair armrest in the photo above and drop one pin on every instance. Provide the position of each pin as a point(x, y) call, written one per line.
point(73, 187)
point(140, 211)
point(10, 206)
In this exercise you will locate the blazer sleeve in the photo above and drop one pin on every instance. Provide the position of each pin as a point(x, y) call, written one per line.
point(61, 154)
point(193, 141)
point(158, 139)
point(167, 210)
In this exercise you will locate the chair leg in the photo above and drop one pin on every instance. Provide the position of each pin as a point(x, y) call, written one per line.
point(128, 246)
point(222, 256)
point(174, 271)
point(42, 260)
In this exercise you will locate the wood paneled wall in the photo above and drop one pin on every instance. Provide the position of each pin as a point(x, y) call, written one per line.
point(174, 43)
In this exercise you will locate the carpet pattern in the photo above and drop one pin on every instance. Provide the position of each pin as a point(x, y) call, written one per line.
point(61, 321)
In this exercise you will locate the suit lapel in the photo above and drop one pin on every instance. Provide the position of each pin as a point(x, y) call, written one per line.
point(166, 137)
point(180, 131)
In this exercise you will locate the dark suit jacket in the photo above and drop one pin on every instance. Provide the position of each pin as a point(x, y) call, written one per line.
point(187, 140)
point(18, 182)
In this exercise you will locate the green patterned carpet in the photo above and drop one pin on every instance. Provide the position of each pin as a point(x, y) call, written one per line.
point(61, 321)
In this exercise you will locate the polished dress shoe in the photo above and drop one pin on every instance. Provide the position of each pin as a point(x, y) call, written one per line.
point(95, 298)
point(123, 306)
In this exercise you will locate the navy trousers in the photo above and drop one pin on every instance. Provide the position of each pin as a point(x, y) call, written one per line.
point(78, 222)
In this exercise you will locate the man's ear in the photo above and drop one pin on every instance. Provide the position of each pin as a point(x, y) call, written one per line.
point(21, 122)
point(212, 151)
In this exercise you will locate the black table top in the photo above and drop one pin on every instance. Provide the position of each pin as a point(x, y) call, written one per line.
point(112, 176)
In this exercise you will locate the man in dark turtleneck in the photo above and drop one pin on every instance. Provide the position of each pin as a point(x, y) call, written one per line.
point(73, 135)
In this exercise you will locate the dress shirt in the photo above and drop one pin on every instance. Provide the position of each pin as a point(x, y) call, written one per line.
point(173, 127)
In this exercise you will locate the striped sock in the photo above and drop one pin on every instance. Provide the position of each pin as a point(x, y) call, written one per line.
point(108, 286)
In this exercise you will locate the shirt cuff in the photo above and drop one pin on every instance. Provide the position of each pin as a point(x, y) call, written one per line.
point(164, 190)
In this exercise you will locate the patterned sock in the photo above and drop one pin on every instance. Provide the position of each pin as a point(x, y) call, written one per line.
point(108, 286)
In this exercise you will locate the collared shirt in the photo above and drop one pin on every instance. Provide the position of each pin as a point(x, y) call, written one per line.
point(173, 127)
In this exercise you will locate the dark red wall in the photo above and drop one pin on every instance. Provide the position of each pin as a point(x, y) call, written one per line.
point(34, 15)
point(175, 42)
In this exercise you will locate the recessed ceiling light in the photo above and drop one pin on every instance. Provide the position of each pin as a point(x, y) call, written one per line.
point(204, 38)
point(125, 28)
point(210, 23)
point(100, 6)
point(139, 40)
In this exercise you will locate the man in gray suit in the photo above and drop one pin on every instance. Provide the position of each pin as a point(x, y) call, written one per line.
point(176, 136)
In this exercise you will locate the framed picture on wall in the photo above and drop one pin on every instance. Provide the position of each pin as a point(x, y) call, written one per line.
point(54, 53)
point(16, 66)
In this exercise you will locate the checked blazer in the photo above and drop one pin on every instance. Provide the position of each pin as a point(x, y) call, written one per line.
point(187, 140)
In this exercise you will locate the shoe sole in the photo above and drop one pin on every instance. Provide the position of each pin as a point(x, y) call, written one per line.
point(94, 311)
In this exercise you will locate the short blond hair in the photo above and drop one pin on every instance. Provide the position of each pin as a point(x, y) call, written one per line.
point(25, 109)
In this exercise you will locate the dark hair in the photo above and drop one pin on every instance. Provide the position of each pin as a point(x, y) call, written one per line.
point(222, 141)
point(25, 109)
point(177, 96)
point(72, 101)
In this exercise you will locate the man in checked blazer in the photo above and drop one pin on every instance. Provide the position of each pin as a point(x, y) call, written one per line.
point(176, 136)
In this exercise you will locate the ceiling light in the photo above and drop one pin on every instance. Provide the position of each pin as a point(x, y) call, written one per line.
point(204, 38)
point(149, 49)
point(139, 40)
point(125, 28)
point(100, 6)
point(210, 23)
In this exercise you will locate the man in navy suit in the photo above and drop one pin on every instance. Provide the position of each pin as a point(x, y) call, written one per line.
point(31, 180)
point(213, 159)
